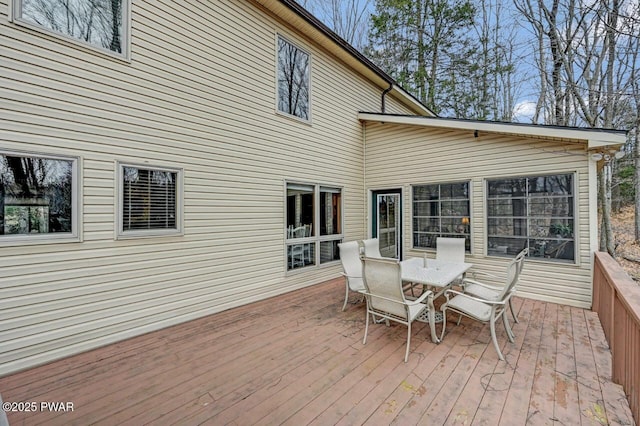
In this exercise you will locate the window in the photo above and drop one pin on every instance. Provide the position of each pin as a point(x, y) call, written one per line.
point(99, 23)
point(150, 201)
point(293, 80)
point(535, 212)
point(314, 224)
point(440, 210)
point(38, 197)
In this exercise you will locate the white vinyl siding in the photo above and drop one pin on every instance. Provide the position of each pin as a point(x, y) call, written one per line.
point(439, 155)
point(198, 95)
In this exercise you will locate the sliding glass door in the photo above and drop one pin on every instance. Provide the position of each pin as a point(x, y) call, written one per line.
point(387, 222)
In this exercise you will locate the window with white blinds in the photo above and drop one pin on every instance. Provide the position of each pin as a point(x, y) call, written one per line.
point(149, 201)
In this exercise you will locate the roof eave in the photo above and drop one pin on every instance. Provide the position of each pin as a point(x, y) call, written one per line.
point(595, 138)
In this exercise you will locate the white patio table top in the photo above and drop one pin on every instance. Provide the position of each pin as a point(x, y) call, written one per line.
point(435, 273)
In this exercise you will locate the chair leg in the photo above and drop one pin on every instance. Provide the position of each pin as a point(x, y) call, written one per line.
point(432, 320)
point(492, 325)
point(379, 321)
point(513, 314)
point(507, 326)
point(444, 322)
point(366, 328)
point(346, 297)
point(406, 352)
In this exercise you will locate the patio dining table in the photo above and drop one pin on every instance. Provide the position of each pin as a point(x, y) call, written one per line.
point(435, 273)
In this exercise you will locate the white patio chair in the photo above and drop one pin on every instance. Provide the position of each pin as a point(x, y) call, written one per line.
point(484, 310)
point(296, 251)
point(487, 291)
point(352, 268)
point(385, 296)
point(371, 248)
point(450, 249)
point(307, 247)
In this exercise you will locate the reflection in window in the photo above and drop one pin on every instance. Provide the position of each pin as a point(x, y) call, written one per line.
point(36, 195)
point(305, 205)
point(293, 80)
point(440, 210)
point(97, 22)
point(300, 212)
point(535, 212)
point(149, 200)
point(330, 211)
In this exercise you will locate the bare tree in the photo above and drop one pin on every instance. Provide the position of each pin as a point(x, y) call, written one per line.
point(585, 72)
point(348, 18)
point(482, 81)
point(418, 43)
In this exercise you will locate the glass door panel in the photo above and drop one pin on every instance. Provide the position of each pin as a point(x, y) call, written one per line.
point(387, 224)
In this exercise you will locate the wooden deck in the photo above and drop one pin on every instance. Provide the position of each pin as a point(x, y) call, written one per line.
point(297, 359)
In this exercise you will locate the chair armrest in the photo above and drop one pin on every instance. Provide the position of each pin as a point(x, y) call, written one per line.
point(420, 299)
point(407, 302)
point(344, 274)
point(491, 287)
point(381, 297)
point(484, 274)
point(488, 302)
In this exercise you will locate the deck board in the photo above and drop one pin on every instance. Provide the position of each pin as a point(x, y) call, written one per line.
point(516, 406)
point(298, 359)
point(613, 398)
point(488, 390)
point(544, 376)
point(566, 403)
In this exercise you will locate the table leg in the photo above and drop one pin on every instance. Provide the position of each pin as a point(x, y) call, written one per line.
point(432, 319)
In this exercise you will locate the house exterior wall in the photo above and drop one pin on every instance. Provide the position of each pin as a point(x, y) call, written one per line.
point(199, 94)
point(398, 156)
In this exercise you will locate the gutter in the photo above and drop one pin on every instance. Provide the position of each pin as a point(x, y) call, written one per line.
point(384, 93)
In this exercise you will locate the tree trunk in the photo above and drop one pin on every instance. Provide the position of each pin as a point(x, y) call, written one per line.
point(604, 198)
point(637, 177)
point(421, 71)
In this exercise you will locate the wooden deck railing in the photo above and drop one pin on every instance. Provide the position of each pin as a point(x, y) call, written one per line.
point(616, 299)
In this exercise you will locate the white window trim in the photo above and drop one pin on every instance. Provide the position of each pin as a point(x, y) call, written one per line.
point(277, 109)
point(76, 205)
point(15, 6)
point(469, 182)
point(576, 217)
point(315, 239)
point(151, 233)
